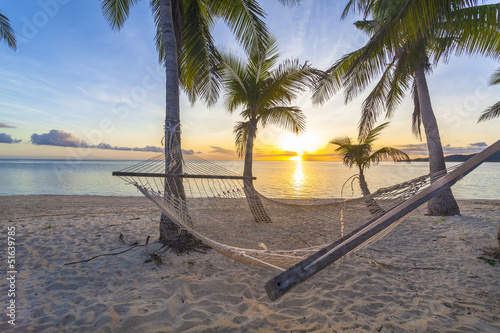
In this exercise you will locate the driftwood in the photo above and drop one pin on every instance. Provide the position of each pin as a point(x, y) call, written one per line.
point(122, 238)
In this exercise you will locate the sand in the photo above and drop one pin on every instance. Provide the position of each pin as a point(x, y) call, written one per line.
point(424, 276)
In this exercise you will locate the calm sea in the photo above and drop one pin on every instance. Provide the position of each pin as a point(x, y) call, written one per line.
point(275, 179)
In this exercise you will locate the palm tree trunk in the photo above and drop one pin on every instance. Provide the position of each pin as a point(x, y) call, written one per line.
point(372, 205)
point(255, 204)
point(443, 204)
point(363, 184)
point(169, 231)
point(498, 237)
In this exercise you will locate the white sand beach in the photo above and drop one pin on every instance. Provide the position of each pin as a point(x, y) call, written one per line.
point(424, 276)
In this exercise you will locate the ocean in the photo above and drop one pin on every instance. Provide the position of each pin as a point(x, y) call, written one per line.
point(278, 179)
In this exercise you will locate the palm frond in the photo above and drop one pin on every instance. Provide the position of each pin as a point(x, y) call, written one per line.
point(262, 60)
point(285, 83)
point(199, 63)
point(469, 31)
point(116, 12)
point(289, 118)
point(386, 153)
point(244, 18)
point(290, 3)
point(416, 123)
point(235, 78)
point(495, 77)
point(373, 134)
point(241, 136)
point(334, 78)
point(375, 102)
point(490, 113)
point(367, 26)
point(7, 34)
point(345, 146)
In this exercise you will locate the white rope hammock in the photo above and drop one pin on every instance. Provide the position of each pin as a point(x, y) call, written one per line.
point(225, 211)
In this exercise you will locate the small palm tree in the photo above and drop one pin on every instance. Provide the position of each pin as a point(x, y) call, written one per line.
point(494, 110)
point(265, 92)
point(7, 33)
point(362, 156)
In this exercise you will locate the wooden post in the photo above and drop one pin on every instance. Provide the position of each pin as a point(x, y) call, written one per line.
point(297, 274)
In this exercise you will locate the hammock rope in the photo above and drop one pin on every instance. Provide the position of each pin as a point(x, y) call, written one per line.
point(215, 208)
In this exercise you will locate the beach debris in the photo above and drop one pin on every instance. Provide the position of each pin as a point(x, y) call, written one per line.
point(489, 261)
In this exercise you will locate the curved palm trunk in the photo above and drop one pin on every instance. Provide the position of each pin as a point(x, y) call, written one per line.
point(254, 202)
point(363, 184)
point(169, 231)
point(372, 205)
point(443, 204)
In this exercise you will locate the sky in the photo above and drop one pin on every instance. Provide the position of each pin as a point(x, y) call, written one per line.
point(76, 89)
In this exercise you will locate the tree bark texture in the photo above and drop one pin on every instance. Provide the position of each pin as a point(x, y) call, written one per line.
point(443, 204)
point(254, 203)
point(373, 206)
point(170, 233)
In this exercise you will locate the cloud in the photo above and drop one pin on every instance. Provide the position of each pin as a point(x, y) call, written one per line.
point(421, 149)
point(478, 144)
point(5, 138)
point(3, 125)
point(64, 139)
point(220, 150)
point(414, 149)
point(58, 138)
point(188, 152)
point(150, 149)
point(103, 145)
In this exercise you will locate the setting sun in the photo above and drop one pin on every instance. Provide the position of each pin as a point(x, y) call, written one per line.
point(299, 144)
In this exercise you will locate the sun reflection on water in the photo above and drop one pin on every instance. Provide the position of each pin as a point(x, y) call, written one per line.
point(298, 177)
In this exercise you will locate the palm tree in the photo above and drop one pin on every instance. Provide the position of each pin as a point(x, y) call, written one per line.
point(400, 51)
point(362, 156)
point(494, 110)
point(186, 49)
point(7, 33)
point(265, 92)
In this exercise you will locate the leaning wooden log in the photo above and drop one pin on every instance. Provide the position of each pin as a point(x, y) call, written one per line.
point(284, 282)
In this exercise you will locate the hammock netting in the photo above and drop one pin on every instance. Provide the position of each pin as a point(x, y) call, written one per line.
point(226, 212)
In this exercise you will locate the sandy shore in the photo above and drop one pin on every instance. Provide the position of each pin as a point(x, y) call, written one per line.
point(425, 276)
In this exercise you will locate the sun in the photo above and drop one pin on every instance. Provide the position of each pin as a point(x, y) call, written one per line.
point(300, 144)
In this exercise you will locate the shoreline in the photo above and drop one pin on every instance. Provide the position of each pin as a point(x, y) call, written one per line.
point(424, 275)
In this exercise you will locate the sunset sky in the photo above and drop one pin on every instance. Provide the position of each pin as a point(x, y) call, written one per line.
point(73, 81)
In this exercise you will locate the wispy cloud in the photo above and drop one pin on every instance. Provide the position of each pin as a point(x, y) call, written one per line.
point(220, 150)
point(64, 139)
point(5, 138)
point(478, 144)
point(421, 149)
point(3, 125)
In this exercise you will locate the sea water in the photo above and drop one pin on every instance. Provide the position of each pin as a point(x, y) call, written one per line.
point(279, 179)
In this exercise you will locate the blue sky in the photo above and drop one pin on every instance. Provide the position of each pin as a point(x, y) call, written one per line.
point(73, 81)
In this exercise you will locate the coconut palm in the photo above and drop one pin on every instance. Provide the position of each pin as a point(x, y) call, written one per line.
point(362, 156)
point(186, 49)
point(264, 90)
point(494, 110)
point(7, 33)
point(400, 52)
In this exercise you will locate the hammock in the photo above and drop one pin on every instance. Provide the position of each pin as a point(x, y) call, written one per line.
point(225, 211)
